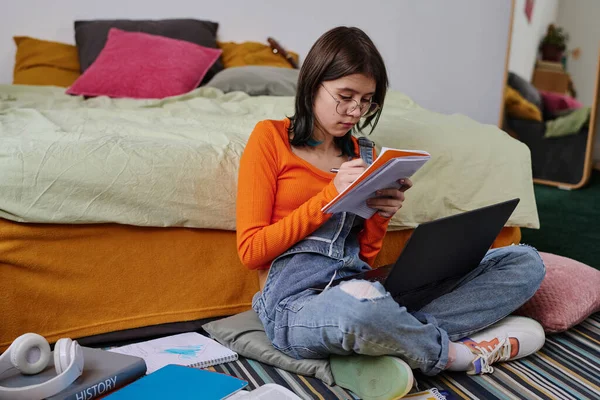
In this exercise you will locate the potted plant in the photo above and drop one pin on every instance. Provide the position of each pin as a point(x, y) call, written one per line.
point(554, 43)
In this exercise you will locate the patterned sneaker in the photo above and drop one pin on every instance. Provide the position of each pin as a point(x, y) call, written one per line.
point(509, 339)
point(372, 378)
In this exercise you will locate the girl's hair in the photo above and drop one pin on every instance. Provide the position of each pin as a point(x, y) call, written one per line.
point(337, 53)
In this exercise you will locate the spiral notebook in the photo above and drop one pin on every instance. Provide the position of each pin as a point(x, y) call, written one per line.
point(190, 349)
point(390, 166)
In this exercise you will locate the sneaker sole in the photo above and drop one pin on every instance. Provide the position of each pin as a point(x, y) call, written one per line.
point(372, 378)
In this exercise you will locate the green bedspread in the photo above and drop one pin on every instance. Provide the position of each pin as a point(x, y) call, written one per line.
point(173, 162)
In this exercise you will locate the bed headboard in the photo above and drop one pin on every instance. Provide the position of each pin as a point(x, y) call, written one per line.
point(448, 56)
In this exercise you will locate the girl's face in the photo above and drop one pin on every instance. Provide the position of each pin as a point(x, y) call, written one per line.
point(336, 120)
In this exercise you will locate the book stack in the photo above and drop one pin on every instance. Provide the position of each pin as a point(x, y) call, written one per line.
point(103, 372)
point(106, 371)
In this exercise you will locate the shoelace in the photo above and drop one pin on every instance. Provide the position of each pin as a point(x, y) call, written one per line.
point(501, 352)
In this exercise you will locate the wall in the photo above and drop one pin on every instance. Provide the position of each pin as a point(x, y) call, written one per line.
point(526, 36)
point(580, 20)
point(449, 56)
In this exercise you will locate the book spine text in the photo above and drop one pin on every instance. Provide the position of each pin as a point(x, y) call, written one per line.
point(107, 385)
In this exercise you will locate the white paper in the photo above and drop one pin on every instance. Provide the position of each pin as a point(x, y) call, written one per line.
point(269, 391)
point(387, 176)
point(183, 349)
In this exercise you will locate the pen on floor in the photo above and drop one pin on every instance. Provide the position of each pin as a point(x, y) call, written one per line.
point(334, 170)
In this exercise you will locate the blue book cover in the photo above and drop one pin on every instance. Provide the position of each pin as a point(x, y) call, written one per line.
point(182, 383)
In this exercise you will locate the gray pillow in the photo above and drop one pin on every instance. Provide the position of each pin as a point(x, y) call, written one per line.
point(525, 89)
point(91, 36)
point(245, 334)
point(257, 80)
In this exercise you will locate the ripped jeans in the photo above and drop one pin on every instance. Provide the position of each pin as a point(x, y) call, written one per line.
point(361, 317)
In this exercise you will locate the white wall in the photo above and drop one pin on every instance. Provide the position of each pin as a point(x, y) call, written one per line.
point(580, 20)
point(449, 56)
point(526, 36)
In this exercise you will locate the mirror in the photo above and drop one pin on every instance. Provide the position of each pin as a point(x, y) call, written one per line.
point(551, 98)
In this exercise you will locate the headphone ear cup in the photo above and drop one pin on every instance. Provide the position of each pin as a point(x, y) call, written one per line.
point(62, 355)
point(30, 354)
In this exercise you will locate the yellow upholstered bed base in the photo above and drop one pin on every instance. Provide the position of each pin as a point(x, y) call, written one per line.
point(81, 280)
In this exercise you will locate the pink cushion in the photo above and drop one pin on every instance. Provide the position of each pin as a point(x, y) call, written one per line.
point(555, 102)
point(569, 293)
point(145, 66)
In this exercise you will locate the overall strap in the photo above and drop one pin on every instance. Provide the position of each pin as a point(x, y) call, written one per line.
point(366, 149)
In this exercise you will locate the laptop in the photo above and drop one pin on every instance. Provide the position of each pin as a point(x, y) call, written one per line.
point(438, 255)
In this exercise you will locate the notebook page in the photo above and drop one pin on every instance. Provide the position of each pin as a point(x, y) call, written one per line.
point(354, 202)
point(189, 349)
point(405, 153)
point(388, 176)
point(384, 157)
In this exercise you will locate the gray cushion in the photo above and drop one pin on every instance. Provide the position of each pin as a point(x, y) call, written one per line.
point(257, 80)
point(90, 36)
point(525, 89)
point(245, 334)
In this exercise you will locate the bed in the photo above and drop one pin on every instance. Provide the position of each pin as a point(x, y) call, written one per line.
point(560, 159)
point(556, 129)
point(119, 214)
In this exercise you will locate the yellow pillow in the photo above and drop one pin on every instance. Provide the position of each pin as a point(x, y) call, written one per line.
point(252, 53)
point(41, 62)
point(518, 107)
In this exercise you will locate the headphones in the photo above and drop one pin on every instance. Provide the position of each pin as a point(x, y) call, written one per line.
point(30, 354)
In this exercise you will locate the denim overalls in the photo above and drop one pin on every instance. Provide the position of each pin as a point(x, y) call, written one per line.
point(304, 323)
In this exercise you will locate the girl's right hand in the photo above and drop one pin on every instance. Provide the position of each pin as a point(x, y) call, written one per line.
point(348, 172)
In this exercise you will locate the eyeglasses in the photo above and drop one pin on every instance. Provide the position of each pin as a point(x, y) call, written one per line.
point(345, 106)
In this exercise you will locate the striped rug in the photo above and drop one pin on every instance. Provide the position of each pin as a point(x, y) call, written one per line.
point(567, 367)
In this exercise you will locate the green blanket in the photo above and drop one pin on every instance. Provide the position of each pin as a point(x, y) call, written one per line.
point(174, 162)
point(569, 124)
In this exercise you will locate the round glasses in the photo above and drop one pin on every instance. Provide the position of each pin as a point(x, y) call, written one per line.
point(347, 106)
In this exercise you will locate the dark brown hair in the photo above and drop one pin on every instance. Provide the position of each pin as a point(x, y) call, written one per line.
point(337, 53)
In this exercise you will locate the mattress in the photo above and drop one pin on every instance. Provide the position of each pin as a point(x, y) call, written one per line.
point(83, 280)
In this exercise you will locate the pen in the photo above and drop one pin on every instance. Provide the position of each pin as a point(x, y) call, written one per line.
point(334, 170)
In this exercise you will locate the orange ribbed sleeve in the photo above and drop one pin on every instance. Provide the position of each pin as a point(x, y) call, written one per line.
point(279, 200)
point(259, 238)
point(371, 237)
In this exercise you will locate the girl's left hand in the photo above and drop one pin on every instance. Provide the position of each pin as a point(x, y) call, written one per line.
point(389, 201)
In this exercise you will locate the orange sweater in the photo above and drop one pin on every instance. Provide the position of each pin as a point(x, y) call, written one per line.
point(280, 197)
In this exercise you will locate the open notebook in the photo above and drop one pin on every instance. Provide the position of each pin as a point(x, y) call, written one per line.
point(384, 172)
point(190, 349)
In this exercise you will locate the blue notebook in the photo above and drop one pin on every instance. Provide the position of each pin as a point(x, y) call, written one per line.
point(181, 383)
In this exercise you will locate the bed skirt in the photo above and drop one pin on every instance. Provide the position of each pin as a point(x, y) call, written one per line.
point(82, 280)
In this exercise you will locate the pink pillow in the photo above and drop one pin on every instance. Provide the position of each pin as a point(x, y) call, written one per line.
point(555, 102)
point(569, 293)
point(145, 66)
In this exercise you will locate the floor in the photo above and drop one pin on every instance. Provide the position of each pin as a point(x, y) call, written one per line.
point(565, 368)
point(569, 222)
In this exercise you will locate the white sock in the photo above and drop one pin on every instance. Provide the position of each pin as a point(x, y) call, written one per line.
point(463, 357)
